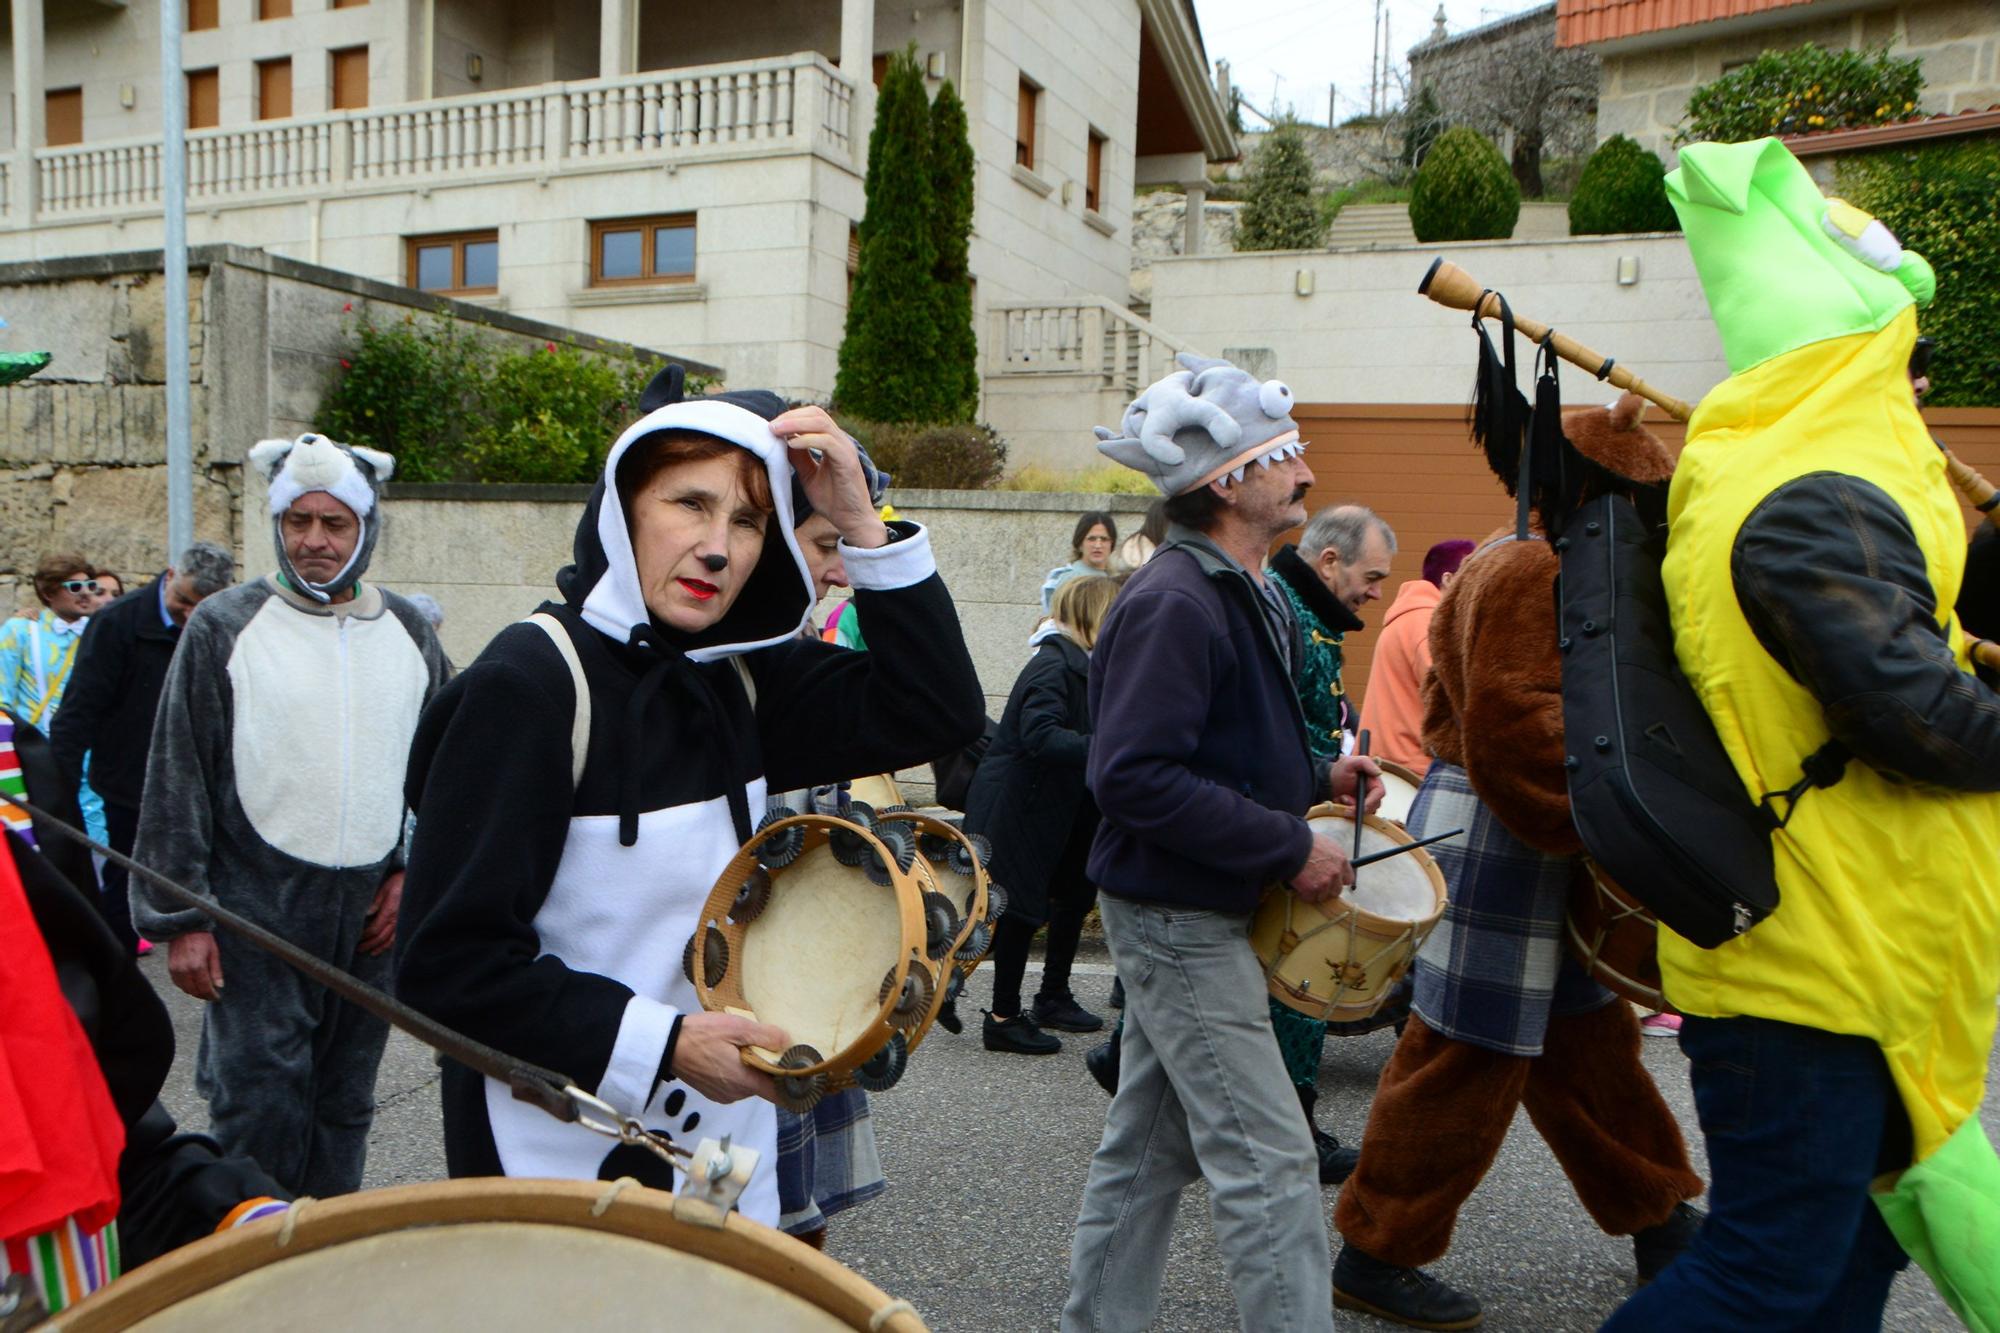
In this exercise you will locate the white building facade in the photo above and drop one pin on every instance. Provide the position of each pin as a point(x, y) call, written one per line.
point(680, 174)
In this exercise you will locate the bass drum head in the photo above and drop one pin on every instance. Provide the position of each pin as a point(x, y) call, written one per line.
point(497, 1256)
point(1399, 791)
point(813, 962)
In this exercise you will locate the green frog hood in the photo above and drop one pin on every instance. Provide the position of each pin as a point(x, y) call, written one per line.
point(1782, 265)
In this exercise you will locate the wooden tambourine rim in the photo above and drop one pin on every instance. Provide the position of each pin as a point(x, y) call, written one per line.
point(1590, 955)
point(837, 1065)
point(1335, 1007)
point(981, 902)
point(634, 1212)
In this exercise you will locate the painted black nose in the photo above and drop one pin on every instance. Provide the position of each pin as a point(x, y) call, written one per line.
point(715, 563)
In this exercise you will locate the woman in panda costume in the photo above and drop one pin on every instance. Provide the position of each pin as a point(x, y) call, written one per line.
point(550, 903)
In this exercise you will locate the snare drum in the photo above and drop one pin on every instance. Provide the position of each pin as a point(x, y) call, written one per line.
point(1614, 937)
point(1399, 791)
point(1339, 960)
point(498, 1256)
point(820, 926)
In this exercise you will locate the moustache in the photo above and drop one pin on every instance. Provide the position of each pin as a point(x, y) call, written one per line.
point(1299, 493)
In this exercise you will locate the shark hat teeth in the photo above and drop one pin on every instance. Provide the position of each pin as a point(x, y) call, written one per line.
point(1289, 449)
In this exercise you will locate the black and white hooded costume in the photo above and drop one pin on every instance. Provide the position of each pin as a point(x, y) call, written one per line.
point(283, 729)
point(549, 915)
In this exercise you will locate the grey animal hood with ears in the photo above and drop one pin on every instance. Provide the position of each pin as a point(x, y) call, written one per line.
point(1205, 422)
point(603, 582)
point(352, 474)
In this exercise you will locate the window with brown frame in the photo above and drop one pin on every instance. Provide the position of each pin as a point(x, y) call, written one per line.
point(274, 88)
point(465, 263)
point(62, 116)
point(1026, 112)
point(349, 4)
point(201, 15)
point(1093, 173)
point(350, 78)
point(274, 9)
point(204, 87)
point(880, 69)
point(628, 252)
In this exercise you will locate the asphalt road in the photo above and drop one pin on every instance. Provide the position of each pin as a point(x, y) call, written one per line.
point(987, 1154)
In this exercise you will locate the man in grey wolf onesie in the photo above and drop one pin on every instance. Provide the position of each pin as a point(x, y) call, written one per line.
point(275, 783)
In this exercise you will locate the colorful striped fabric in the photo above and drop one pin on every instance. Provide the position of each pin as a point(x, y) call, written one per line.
point(67, 1264)
point(11, 784)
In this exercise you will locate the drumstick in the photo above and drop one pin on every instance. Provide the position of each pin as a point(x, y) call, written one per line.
point(1360, 795)
point(1402, 847)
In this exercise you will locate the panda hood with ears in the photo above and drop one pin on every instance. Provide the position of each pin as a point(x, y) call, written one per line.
point(351, 474)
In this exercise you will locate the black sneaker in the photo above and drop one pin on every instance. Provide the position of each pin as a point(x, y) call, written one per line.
point(1656, 1247)
point(1102, 1062)
point(1336, 1163)
point(1064, 1014)
point(1018, 1035)
point(948, 1018)
point(1401, 1295)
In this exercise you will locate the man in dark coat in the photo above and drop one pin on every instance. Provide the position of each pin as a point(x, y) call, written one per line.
point(1979, 595)
point(114, 690)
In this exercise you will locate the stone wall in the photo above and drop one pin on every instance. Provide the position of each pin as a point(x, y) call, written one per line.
point(83, 444)
point(1159, 226)
point(1645, 93)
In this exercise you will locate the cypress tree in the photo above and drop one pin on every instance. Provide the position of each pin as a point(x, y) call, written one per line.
point(952, 165)
point(1281, 213)
point(888, 354)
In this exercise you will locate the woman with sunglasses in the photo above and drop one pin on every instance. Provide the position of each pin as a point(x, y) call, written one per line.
point(37, 653)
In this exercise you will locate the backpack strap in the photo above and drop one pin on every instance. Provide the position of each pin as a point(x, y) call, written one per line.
point(579, 727)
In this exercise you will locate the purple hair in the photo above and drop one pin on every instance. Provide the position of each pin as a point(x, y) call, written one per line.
point(1445, 558)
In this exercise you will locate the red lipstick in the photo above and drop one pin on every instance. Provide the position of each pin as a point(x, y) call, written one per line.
point(697, 589)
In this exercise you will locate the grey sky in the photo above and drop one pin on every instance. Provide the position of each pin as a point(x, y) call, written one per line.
point(1298, 47)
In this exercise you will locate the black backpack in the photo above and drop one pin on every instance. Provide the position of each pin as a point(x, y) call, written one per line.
point(1653, 793)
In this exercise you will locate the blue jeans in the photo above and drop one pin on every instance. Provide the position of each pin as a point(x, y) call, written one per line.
point(1798, 1121)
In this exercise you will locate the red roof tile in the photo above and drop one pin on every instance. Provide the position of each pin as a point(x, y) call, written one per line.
point(1582, 22)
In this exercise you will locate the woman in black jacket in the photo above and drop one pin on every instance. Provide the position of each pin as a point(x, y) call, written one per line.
point(1029, 799)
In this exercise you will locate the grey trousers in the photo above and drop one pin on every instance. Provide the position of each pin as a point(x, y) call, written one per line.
point(1202, 1093)
point(288, 1069)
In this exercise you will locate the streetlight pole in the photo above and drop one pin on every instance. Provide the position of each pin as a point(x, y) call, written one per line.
point(173, 183)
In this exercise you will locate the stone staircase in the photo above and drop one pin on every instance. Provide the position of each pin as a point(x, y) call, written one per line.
point(1366, 226)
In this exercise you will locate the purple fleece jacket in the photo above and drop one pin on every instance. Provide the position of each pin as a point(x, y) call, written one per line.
point(1200, 762)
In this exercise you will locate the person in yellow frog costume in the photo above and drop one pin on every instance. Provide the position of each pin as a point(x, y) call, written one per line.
point(1815, 551)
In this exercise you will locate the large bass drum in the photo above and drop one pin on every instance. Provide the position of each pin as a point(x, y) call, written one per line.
point(495, 1256)
point(1614, 937)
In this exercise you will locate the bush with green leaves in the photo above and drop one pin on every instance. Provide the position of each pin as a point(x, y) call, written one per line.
point(1943, 201)
point(450, 405)
point(950, 457)
point(1623, 189)
point(1798, 91)
point(1282, 213)
point(1464, 191)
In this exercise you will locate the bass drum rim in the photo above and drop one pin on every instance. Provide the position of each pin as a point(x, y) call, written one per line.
point(632, 1211)
point(1592, 879)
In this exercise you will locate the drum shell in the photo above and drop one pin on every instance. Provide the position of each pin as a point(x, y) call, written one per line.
point(1335, 960)
point(184, 1290)
point(1614, 937)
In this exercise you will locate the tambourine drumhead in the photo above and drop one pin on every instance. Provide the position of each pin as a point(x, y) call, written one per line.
point(1614, 937)
point(1399, 791)
point(1340, 959)
point(813, 962)
point(494, 1256)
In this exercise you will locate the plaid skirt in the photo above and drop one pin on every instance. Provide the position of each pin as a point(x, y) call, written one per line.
point(1495, 968)
point(827, 1161)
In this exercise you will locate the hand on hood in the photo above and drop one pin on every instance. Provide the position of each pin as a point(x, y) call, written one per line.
point(829, 467)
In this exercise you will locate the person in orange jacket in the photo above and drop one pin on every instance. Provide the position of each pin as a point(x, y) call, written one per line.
point(1393, 715)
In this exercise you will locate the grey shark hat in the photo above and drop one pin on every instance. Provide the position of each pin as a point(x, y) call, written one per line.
point(1205, 422)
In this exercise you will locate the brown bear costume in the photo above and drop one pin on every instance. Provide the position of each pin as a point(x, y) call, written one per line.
point(1502, 1018)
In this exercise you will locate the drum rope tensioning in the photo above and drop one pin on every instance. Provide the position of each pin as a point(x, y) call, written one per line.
point(716, 1172)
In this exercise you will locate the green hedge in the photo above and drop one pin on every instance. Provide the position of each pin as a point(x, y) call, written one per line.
point(1802, 90)
point(1282, 213)
point(1623, 189)
point(451, 406)
point(1943, 201)
point(949, 457)
point(1464, 191)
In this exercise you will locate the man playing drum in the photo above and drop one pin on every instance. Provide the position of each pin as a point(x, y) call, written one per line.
point(1202, 769)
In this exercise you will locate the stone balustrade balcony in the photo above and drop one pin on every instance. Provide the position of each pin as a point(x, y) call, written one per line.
point(778, 106)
